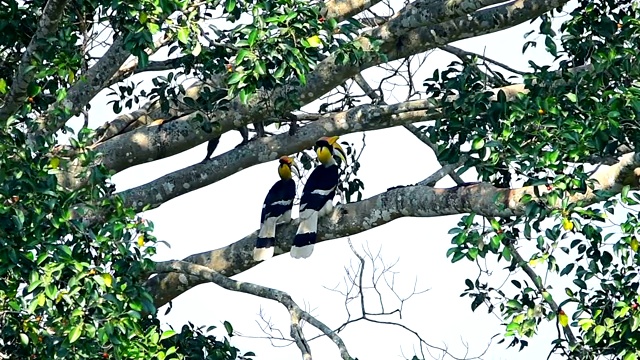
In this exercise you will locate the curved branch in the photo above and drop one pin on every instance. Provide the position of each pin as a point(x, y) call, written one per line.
point(524, 265)
point(47, 26)
point(122, 153)
point(180, 182)
point(408, 201)
point(207, 275)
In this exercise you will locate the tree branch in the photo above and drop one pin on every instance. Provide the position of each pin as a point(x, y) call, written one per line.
point(342, 10)
point(463, 53)
point(524, 265)
point(422, 13)
point(172, 185)
point(414, 201)
point(122, 152)
point(47, 26)
point(376, 99)
point(296, 313)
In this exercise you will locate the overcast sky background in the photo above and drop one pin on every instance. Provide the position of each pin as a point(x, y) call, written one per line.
point(228, 210)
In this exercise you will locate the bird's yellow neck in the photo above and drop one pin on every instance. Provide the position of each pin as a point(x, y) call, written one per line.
point(325, 155)
point(284, 171)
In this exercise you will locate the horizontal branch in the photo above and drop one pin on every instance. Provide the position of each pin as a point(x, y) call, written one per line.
point(361, 118)
point(423, 13)
point(145, 145)
point(409, 201)
point(182, 268)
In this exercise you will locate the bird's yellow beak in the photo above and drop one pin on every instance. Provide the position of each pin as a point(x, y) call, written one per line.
point(295, 168)
point(339, 151)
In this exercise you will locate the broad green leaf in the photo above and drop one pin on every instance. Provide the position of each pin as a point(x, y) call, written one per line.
point(75, 333)
point(477, 144)
point(183, 35)
point(167, 334)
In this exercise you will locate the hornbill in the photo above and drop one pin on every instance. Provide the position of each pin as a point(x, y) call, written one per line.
point(276, 208)
point(317, 195)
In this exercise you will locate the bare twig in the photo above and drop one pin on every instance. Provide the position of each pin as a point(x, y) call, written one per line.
point(376, 99)
point(463, 53)
point(295, 312)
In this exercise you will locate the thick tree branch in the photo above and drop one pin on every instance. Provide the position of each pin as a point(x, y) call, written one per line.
point(410, 201)
point(183, 269)
point(122, 152)
point(422, 13)
point(131, 67)
point(180, 182)
point(47, 26)
point(344, 9)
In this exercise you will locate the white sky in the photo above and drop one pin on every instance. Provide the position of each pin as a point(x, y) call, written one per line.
point(228, 210)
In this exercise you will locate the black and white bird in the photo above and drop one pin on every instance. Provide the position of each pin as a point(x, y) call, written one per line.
point(276, 208)
point(317, 195)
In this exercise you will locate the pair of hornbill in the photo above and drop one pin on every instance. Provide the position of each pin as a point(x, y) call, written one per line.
point(316, 201)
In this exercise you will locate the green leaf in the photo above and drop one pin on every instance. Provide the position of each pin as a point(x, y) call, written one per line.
point(235, 78)
point(241, 55)
point(229, 328)
point(260, 67)
point(477, 144)
point(24, 339)
point(51, 291)
point(280, 71)
point(167, 334)
point(625, 191)
point(572, 97)
point(183, 35)
point(252, 37)
point(599, 331)
point(33, 90)
point(3, 86)
point(567, 269)
point(314, 41)
point(75, 333)
point(231, 4)
point(514, 304)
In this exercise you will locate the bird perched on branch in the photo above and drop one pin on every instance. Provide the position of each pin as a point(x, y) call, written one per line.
point(317, 195)
point(276, 208)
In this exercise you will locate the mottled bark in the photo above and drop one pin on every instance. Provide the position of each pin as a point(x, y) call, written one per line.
point(151, 144)
point(409, 201)
point(47, 26)
point(180, 182)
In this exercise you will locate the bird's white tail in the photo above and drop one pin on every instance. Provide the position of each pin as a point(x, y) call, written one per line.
point(261, 254)
point(266, 240)
point(306, 235)
point(301, 252)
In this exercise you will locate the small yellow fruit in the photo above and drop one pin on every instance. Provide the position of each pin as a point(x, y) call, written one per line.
point(634, 244)
point(567, 224)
